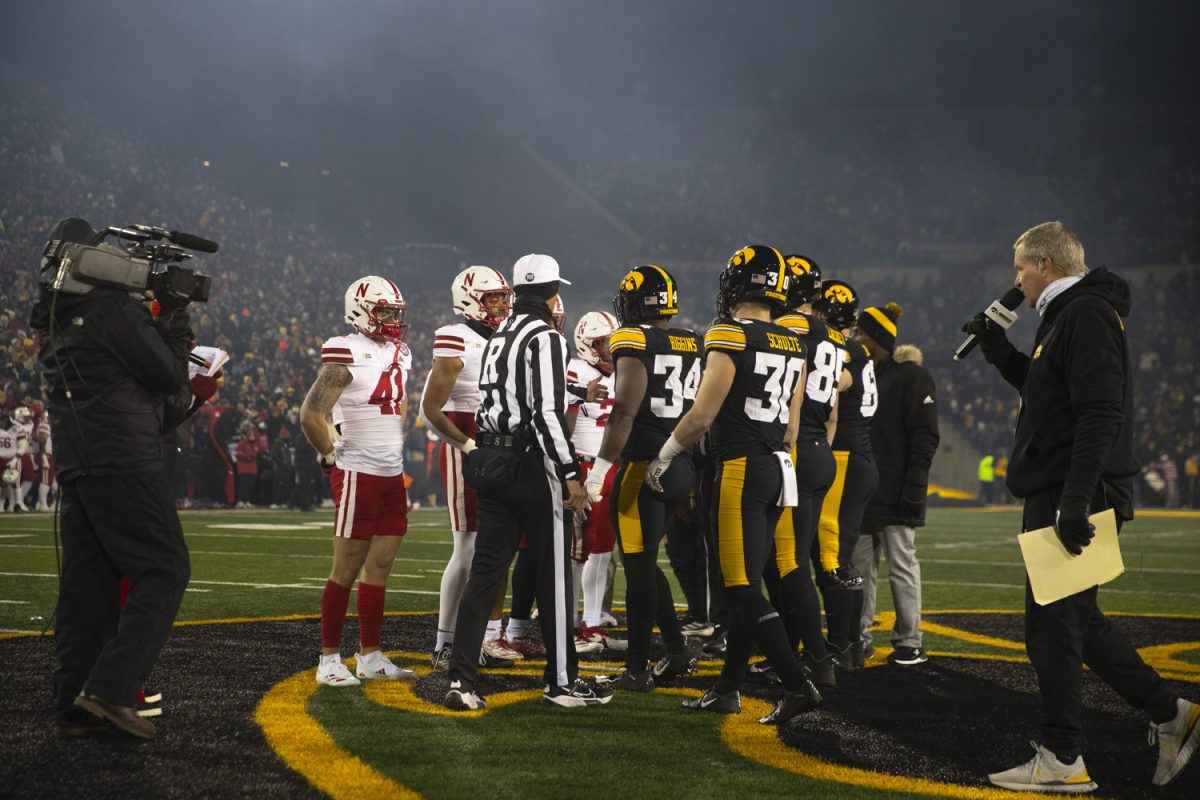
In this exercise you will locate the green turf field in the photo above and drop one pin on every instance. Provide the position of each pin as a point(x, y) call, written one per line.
point(886, 732)
point(267, 563)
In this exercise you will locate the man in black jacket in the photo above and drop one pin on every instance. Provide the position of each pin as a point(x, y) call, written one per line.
point(904, 437)
point(116, 380)
point(1073, 455)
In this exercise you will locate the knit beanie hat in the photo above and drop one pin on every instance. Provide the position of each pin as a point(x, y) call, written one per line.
point(880, 324)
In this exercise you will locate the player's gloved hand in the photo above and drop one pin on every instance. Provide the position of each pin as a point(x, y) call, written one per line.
point(1073, 528)
point(595, 480)
point(993, 341)
point(470, 446)
point(912, 502)
point(327, 462)
point(662, 462)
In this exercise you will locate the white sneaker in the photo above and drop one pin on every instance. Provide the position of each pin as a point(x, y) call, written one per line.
point(498, 652)
point(335, 673)
point(1177, 741)
point(42, 507)
point(586, 645)
point(459, 698)
point(377, 665)
point(1045, 773)
point(607, 620)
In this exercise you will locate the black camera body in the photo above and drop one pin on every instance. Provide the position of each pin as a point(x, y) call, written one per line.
point(145, 263)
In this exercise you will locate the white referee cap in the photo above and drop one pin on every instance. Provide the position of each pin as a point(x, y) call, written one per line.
point(536, 268)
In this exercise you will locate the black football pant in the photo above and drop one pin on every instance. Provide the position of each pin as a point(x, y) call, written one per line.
point(854, 482)
point(1064, 635)
point(533, 505)
point(687, 549)
point(116, 526)
point(640, 520)
point(745, 512)
point(794, 594)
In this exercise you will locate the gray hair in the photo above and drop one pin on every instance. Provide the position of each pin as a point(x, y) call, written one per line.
point(1057, 242)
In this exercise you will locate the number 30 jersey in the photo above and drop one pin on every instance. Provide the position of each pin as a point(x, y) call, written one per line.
point(769, 360)
point(826, 355)
point(368, 412)
point(672, 360)
point(858, 403)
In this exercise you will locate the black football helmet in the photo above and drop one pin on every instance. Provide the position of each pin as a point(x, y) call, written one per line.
point(837, 304)
point(646, 293)
point(756, 272)
point(804, 278)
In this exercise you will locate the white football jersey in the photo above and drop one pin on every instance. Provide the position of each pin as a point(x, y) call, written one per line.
point(592, 417)
point(459, 340)
point(43, 427)
point(368, 412)
point(10, 439)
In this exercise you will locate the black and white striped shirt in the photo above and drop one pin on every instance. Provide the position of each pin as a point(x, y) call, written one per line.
point(523, 384)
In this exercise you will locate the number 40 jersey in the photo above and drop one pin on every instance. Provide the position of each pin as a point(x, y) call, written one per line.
point(367, 415)
point(672, 358)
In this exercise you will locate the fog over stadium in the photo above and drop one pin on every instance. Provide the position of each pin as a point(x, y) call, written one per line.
point(570, 128)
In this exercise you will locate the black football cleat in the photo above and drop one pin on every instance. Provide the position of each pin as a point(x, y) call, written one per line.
point(791, 704)
point(714, 701)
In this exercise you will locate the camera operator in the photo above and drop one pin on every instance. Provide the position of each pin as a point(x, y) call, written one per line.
point(117, 379)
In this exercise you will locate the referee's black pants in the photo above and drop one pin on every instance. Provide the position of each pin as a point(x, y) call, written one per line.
point(111, 527)
point(1064, 635)
point(533, 506)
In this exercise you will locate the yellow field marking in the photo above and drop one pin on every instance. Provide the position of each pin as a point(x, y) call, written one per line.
point(1162, 658)
point(761, 744)
point(399, 695)
point(306, 748)
point(967, 636)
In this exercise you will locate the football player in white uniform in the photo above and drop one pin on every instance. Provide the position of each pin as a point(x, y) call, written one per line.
point(595, 537)
point(362, 381)
point(24, 417)
point(42, 443)
point(482, 298)
point(13, 444)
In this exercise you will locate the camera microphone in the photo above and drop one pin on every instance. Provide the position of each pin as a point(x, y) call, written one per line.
point(999, 312)
point(188, 240)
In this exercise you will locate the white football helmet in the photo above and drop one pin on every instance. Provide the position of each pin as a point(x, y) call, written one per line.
point(470, 291)
point(592, 327)
point(22, 414)
point(559, 315)
point(366, 298)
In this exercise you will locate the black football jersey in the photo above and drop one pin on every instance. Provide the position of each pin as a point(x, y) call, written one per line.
point(672, 360)
point(826, 356)
point(858, 403)
point(768, 359)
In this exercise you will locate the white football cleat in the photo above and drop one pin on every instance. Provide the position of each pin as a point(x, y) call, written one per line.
point(376, 665)
point(460, 698)
point(335, 673)
point(1045, 773)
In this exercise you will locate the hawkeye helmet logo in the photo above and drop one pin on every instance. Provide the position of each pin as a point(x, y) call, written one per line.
point(839, 294)
point(632, 281)
point(799, 265)
point(743, 256)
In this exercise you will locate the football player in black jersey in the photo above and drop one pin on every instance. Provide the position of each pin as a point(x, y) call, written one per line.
point(826, 353)
point(657, 371)
point(750, 398)
point(854, 482)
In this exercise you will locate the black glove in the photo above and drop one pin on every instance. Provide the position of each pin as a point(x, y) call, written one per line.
point(912, 502)
point(1073, 528)
point(993, 342)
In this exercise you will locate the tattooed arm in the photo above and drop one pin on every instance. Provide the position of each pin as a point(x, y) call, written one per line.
point(325, 391)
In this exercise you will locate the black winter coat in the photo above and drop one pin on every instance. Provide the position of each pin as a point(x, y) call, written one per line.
point(904, 436)
point(1075, 427)
point(127, 375)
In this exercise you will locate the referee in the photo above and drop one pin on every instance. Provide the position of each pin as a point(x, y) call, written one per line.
point(525, 472)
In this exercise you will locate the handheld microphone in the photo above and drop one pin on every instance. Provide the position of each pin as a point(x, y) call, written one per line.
point(188, 240)
point(1000, 312)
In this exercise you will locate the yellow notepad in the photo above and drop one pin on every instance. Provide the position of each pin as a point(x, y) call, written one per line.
point(1054, 573)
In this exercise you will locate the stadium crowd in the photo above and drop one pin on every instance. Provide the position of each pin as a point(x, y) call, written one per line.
point(278, 286)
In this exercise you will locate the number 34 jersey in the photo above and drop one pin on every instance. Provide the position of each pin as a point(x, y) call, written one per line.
point(672, 360)
point(769, 360)
point(368, 412)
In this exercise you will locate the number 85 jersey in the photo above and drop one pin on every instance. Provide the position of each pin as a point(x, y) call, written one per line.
point(368, 413)
point(672, 360)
